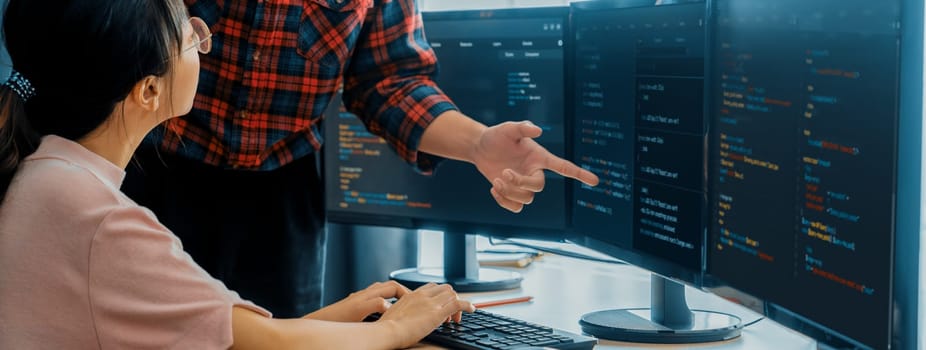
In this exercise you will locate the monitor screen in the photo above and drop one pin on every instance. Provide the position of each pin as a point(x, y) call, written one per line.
point(638, 114)
point(804, 159)
point(497, 66)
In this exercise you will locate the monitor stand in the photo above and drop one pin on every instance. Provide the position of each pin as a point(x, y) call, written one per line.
point(461, 269)
point(668, 320)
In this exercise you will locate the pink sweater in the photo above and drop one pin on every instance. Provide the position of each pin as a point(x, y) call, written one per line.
point(84, 267)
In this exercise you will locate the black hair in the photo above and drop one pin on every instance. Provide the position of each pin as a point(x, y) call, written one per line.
point(82, 57)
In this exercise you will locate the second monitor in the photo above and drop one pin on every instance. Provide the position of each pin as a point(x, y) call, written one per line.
point(639, 80)
point(497, 66)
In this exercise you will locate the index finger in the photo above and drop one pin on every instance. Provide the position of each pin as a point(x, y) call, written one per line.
point(567, 169)
point(391, 289)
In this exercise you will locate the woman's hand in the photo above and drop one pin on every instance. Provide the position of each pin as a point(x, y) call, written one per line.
point(360, 304)
point(417, 313)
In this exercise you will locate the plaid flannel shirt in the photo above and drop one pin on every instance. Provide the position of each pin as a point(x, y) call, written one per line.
point(276, 64)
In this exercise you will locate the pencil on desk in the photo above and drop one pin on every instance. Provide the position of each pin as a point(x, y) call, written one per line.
point(523, 299)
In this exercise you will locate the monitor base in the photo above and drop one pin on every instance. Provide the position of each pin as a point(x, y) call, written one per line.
point(487, 280)
point(636, 325)
point(668, 320)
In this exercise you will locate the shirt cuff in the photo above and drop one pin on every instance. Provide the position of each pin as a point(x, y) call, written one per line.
point(428, 103)
point(236, 300)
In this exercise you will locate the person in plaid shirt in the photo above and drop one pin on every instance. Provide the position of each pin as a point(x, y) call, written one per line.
point(236, 179)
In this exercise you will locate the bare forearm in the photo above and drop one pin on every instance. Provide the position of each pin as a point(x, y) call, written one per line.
point(452, 135)
point(254, 331)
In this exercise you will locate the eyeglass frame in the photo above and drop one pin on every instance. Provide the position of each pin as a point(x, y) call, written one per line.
point(198, 45)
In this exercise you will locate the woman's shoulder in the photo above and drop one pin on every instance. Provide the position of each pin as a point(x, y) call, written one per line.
point(61, 187)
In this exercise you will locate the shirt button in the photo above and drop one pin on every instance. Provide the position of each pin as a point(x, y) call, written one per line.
point(256, 56)
point(339, 1)
point(243, 114)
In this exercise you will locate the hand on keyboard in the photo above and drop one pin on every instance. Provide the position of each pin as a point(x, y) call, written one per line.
point(483, 330)
point(417, 313)
point(358, 305)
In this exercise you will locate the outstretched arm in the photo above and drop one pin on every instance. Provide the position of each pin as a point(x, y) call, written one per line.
point(390, 85)
point(389, 82)
point(506, 154)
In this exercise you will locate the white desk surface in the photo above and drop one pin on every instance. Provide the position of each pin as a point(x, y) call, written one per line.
point(565, 288)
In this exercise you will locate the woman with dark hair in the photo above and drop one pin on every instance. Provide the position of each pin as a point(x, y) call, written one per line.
point(82, 265)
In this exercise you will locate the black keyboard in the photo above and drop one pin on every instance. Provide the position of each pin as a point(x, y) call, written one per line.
point(483, 330)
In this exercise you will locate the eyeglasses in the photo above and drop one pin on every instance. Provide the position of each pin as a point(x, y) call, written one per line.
point(201, 35)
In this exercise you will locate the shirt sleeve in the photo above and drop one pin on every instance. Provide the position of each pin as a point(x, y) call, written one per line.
point(147, 293)
point(389, 83)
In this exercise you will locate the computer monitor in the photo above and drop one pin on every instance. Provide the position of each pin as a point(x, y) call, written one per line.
point(638, 113)
point(497, 66)
point(814, 163)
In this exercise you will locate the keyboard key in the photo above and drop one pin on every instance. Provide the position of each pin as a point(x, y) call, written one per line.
point(544, 342)
point(487, 331)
